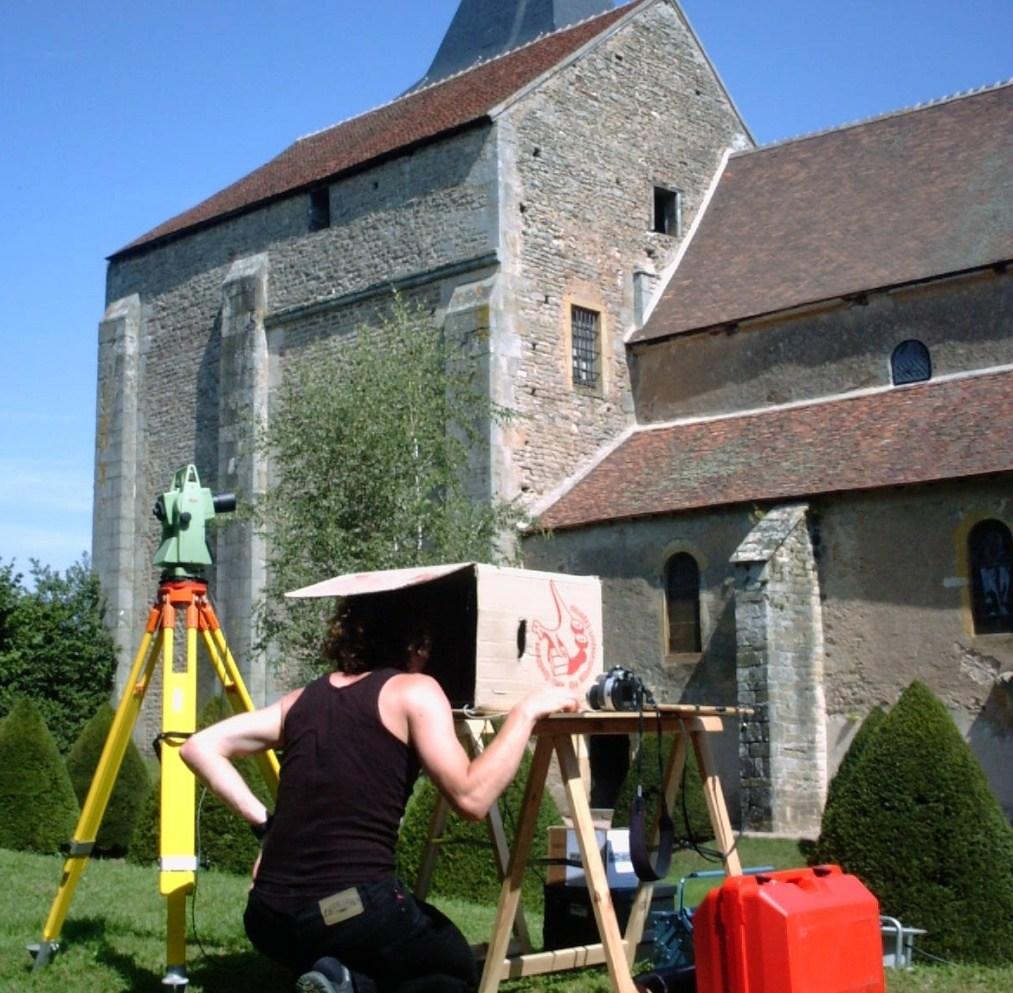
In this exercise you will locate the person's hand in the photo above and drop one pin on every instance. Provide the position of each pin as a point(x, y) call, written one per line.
point(550, 699)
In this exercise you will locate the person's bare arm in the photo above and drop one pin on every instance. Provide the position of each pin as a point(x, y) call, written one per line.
point(472, 785)
point(209, 754)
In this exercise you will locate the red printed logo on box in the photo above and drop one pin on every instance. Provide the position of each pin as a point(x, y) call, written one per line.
point(565, 646)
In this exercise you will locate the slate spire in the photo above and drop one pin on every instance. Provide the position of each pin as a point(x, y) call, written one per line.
point(483, 29)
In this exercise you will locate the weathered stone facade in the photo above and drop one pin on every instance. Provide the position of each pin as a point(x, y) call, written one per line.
point(497, 229)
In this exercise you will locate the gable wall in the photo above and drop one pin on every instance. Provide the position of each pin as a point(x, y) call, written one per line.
point(271, 286)
point(581, 156)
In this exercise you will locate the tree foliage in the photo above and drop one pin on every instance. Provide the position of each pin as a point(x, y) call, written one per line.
point(54, 646)
point(917, 823)
point(129, 791)
point(38, 810)
point(371, 445)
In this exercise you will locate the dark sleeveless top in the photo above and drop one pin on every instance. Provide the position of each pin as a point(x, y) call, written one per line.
point(345, 781)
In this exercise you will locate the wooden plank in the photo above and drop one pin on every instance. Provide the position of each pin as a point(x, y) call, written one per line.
point(598, 722)
point(645, 889)
point(716, 804)
point(594, 870)
point(510, 892)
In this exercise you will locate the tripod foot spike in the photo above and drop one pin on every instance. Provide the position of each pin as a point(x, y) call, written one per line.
point(176, 978)
point(42, 952)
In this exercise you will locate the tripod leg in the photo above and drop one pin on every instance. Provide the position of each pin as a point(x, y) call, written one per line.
point(177, 825)
point(235, 689)
point(99, 791)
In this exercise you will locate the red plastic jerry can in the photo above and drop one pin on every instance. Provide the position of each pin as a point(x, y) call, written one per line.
point(796, 931)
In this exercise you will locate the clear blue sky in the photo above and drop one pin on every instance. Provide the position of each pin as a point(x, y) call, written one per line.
point(115, 116)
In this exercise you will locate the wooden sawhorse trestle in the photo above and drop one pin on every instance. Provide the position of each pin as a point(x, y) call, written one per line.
point(560, 735)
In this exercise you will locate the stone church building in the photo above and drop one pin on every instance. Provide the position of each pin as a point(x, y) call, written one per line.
point(763, 393)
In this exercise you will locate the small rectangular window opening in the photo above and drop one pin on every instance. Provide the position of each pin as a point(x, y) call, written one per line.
point(320, 208)
point(667, 211)
point(584, 335)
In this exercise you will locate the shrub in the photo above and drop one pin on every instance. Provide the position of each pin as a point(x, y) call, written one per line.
point(128, 792)
point(54, 646)
point(38, 811)
point(863, 736)
point(689, 814)
point(224, 839)
point(466, 863)
point(917, 822)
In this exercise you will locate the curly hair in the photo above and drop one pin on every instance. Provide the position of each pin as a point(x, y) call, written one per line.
point(374, 632)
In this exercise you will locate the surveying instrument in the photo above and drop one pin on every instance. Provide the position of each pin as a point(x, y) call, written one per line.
point(183, 556)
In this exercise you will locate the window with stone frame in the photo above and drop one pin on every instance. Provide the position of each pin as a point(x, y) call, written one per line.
point(910, 363)
point(682, 604)
point(990, 559)
point(585, 346)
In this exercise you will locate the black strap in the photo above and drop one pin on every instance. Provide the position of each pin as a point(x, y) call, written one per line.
point(638, 841)
point(666, 829)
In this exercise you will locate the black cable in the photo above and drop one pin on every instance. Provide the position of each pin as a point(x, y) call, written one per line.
point(197, 873)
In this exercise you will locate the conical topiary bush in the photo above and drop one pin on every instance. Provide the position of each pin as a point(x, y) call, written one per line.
point(863, 736)
point(917, 823)
point(129, 791)
point(466, 863)
point(38, 810)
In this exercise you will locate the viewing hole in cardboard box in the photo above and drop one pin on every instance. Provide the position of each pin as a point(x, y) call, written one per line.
point(497, 632)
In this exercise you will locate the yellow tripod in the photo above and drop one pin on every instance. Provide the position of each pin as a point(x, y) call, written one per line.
point(178, 864)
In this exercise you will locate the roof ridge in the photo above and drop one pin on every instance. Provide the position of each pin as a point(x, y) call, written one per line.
point(481, 63)
point(875, 118)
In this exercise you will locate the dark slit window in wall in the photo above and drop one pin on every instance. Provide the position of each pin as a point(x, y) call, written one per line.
point(667, 212)
point(320, 208)
point(910, 363)
point(682, 601)
point(990, 554)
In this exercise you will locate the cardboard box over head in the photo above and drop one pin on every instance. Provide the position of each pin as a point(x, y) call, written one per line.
point(497, 632)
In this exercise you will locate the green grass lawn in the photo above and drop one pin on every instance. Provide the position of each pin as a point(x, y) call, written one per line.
point(114, 935)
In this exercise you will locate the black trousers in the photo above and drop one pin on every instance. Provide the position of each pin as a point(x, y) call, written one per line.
point(403, 945)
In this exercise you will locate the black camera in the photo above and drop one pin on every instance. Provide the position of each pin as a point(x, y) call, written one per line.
point(617, 689)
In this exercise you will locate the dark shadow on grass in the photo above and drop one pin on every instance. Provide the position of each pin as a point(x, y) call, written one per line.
point(239, 972)
point(138, 980)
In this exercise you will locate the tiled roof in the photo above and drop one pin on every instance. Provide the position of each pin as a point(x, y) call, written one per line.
point(897, 199)
point(416, 117)
point(911, 434)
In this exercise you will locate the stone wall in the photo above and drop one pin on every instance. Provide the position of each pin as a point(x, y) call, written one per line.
point(964, 322)
point(782, 749)
point(630, 558)
point(581, 155)
point(894, 576)
point(197, 329)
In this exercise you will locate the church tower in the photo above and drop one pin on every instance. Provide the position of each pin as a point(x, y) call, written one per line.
point(483, 29)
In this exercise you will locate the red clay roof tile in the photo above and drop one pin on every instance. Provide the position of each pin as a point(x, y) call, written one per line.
point(897, 199)
point(911, 434)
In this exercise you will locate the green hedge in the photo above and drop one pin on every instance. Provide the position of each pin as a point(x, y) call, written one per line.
point(916, 821)
point(38, 810)
point(129, 791)
point(466, 866)
point(689, 813)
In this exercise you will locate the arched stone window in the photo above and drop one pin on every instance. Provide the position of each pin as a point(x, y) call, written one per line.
point(682, 603)
point(990, 557)
point(910, 363)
